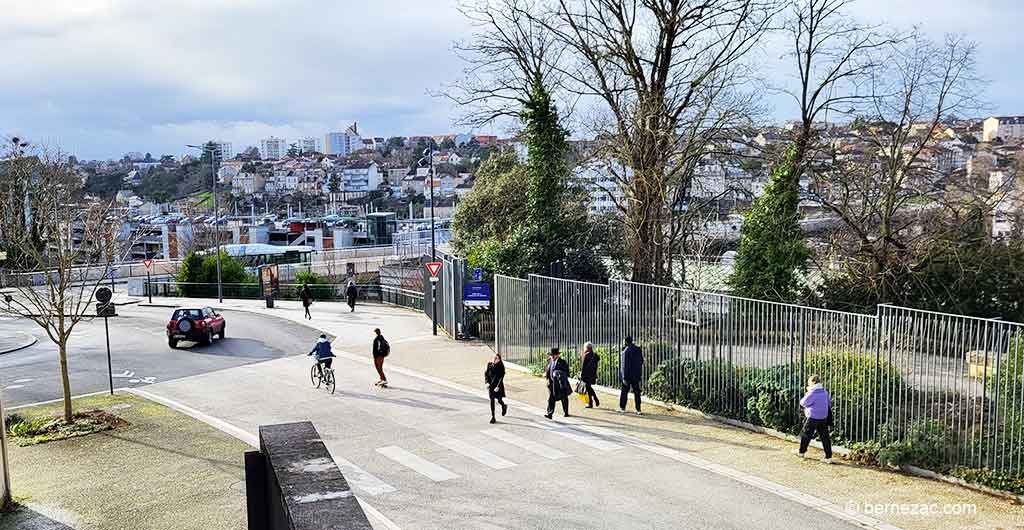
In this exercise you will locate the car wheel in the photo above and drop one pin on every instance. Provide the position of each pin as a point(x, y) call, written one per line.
point(222, 331)
point(172, 343)
point(208, 339)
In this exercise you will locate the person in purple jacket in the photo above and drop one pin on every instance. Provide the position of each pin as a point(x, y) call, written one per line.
point(816, 403)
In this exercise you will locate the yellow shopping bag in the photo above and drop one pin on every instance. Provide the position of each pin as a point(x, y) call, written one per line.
point(584, 398)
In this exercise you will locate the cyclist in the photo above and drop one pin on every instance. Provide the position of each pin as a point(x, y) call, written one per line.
point(324, 355)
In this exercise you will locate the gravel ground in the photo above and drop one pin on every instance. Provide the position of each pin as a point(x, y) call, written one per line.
point(165, 471)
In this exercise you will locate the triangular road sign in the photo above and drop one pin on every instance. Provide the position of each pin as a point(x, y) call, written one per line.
point(434, 267)
point(147, 262)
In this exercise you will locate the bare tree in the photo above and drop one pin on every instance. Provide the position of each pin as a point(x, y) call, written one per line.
point(890, 199)
point(660, 71)
point(60, 248)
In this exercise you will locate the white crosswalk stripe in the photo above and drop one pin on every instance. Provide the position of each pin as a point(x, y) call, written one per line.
point(486, 458)
point(360, 479)
point(580, 436)
point(525, 444)
point(423, 467)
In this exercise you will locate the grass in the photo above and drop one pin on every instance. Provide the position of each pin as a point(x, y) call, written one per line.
point(162, 469)
point(49, 428)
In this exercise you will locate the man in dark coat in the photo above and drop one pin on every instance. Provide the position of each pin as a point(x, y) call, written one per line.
point(631, 368)
point(557, 374)
point(351, 293)
point(588, 373)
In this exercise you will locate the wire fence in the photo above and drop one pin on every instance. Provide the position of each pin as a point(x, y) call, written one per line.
point(902, 378)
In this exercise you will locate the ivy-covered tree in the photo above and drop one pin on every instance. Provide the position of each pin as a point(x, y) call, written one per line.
point(772, 254)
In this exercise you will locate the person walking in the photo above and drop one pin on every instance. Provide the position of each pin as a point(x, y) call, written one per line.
point(494, 376)
point(631, 369)
point(307, 300)
point(588, 373)
point(557, 374)
point(381, 349)
point(817, 404)
point(351, 293)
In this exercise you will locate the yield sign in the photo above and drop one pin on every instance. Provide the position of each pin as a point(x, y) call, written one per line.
point(148, 263)
point(434, 267)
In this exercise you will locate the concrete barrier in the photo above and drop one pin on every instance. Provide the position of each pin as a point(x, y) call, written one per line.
point(292, 483)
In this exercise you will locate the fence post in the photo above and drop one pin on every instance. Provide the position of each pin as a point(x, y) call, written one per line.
point(5, 477)
point(803, 343)
point(878, 368)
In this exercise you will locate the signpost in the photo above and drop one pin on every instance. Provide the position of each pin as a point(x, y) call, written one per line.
point(106, 309)
point(149, 266)
point(477, 295)
point(434, 267)
point(478, 274)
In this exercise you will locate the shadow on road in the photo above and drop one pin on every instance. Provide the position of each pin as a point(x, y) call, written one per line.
point(232, 347)
point(25, 518)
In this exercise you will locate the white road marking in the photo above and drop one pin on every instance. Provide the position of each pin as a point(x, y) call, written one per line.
point(22, 380)
point(526, 444)
point(13, 387)
point(375, 514)
point(579, 436)
point(486, 458)
point(359, 478)
point(216, 423)
point(127, 374)
point(423, 467)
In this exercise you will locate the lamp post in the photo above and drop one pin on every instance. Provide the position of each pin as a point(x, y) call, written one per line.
point(429, 154)
point(216, 215)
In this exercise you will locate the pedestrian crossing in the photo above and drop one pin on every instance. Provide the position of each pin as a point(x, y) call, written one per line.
point(474, 451)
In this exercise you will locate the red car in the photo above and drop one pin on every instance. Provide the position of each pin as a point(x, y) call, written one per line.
point(196, 325)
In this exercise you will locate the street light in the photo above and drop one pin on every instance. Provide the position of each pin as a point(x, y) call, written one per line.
point(216, 215)
point(429, 154)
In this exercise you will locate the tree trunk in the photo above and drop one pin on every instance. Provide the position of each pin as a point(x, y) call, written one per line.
point(65, 381)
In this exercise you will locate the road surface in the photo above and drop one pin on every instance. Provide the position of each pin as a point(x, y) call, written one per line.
point(139, 352)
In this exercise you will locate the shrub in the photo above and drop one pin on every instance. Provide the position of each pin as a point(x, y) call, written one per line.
point(925, 445)
point(858, 382)
point(711, 386)
point(771, 398)
point(320, 287)
point(989, 478)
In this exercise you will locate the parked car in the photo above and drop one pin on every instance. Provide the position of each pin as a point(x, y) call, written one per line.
point(196, 325)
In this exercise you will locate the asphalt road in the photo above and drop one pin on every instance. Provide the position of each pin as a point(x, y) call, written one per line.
point(139, 352)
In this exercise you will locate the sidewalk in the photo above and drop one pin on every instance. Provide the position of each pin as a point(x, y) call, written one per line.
point(892, 498)
point(15, 342)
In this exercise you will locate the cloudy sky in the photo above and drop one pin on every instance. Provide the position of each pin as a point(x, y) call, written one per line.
point(99, 78)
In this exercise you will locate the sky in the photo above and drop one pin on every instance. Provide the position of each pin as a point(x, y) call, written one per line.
point(99, 78)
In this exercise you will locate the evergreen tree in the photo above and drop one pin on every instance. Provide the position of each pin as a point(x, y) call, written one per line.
point(772, 254)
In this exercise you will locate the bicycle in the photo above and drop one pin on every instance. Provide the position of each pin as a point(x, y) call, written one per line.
point(325, 378)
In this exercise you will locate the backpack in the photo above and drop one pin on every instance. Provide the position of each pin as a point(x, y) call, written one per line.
point(385, 348)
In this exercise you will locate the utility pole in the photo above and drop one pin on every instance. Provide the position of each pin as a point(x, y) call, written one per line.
point(212, 148)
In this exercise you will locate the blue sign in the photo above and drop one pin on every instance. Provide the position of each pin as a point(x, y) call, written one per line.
point(476, 295)
point(478, 274)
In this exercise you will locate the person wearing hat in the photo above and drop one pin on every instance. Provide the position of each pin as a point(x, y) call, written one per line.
point(557, 375)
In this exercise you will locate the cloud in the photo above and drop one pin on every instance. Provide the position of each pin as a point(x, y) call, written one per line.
point(102, 77)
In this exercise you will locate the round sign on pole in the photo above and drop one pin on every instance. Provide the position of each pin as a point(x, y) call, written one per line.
point(103, 295)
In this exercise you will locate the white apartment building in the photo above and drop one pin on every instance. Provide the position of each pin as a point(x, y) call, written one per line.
point(1005, 127)
point(224, 149)
point(273, 148)
point(244, 184)
point(308, 145)
point(599, 178)
point(343, 143)
point(360, 177)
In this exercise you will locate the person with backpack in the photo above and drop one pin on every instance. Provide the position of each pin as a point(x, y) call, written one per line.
point(817, 404)
point(631, 369)
point(307, 300)
point(381, 349)
point(494, 376)
point(351, 293)
point(557, 374)
point(588, 373)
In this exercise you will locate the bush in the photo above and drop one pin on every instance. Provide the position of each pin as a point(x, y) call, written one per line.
point(26, 431)
point(992, 479)
point(858, 382)
point(712, 386)
point(320, 287)
point(198, 276)
point(925, 445)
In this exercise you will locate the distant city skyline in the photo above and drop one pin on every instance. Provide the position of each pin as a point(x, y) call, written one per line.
point(99, 79)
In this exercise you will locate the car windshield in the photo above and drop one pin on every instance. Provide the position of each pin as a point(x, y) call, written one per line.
point(187, 313)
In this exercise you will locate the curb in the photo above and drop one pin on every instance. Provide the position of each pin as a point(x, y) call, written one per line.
point(31, 341)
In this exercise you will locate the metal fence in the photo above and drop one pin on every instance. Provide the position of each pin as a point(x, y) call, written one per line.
point(448, 293)
point(252, 291)
point(900, 377)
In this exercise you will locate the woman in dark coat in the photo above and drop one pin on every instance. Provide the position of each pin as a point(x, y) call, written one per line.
point(351, 293)
point(494, 376)
point(307, 300)
point(588, 373)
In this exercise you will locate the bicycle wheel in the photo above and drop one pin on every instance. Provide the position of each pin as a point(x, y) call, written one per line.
point(329, 380)
point(314, 376)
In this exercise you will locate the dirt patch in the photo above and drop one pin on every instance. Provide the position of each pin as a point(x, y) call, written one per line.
point(38, 430)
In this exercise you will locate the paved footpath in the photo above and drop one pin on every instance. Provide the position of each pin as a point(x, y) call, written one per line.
point(421, 454)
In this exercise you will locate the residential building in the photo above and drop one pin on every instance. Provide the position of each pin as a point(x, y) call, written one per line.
point(396, 174)
point(308, 145)
point(360, 177)
point(224, 149)
point(343, 143)
point(245, 183)
point(273, 148)
point(600, 179)
point(1004, 127)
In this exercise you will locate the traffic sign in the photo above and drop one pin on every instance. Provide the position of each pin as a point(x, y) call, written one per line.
point(434, 267)
point(148, 263)
point(103, 295)
point(478, 274)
